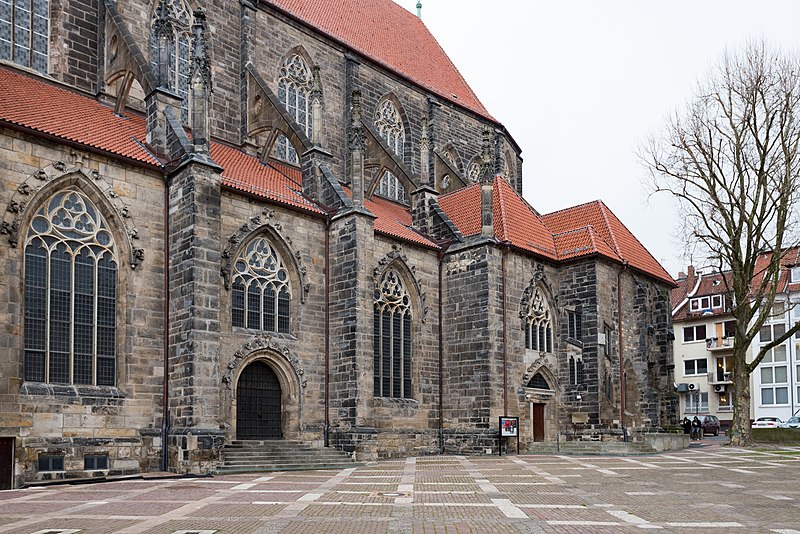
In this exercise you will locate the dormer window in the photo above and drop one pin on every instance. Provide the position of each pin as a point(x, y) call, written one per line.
point(706, 304)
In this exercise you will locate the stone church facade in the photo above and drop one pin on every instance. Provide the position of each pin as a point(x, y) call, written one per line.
point(285, 219)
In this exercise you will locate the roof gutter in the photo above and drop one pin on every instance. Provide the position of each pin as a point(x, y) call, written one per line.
point(80, 146)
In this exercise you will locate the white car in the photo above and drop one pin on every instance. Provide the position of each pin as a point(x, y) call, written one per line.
point(767, 422)
point(792, 422)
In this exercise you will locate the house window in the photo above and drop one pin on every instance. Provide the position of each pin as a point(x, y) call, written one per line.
point(24, 33)
point(724, 368)
point(392, 338)
point(769, 332)
point(261, 289)
point(94, 462)
point(725, 403)
point(294, 91)
point(695, 367)
point(574, 325)
point(70, 294)
point(794, 274)
point(172, 24)
point(716, 301)
point(694, 333)
point(575, 370)
point(774, 377)
point(696, 402)
point(390, 127)
point(538, 328)
point(51, 462)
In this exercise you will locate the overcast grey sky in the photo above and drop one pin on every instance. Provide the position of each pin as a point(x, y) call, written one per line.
point(580, 83)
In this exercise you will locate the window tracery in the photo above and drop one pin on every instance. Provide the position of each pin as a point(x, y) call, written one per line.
point(392, 338)
point(474, 170)
point(537, 323)
point(24, 33)
point(173, 22)
point(390, 127)
point(295, 82)
point(261, 290)
point(70, 294)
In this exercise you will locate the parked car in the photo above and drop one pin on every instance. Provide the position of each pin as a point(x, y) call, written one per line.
point(792, 422)
point(767, 422)
point(710, 424)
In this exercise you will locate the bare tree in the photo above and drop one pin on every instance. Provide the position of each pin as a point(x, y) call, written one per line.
point(731, 159)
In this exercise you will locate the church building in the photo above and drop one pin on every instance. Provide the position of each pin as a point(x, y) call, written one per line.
point(290, 220)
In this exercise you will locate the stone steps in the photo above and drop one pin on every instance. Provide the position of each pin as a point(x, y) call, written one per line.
point(245, 456)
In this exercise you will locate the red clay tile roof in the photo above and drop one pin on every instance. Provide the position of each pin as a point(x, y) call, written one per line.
point(621, 241)
point(50, 109)
point(273, 181)
point(516, 222)
point(395, 220)
point(697, 284)
point(392, 37)
point(464, 209)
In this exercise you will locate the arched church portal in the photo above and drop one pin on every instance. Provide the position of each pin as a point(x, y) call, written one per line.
point(258, 403)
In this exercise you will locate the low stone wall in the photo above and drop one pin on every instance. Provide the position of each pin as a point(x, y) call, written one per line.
point(666, 441)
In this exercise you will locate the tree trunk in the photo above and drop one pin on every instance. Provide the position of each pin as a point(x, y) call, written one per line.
point(741, 434)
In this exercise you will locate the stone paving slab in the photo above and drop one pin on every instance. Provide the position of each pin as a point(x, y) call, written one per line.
point(713, 488)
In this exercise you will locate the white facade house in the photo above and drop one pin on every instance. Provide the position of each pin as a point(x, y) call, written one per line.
point(703, 328)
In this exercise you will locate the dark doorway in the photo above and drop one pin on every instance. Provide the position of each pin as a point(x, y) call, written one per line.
point(538, 422)
point(6, 463)
point(258, 403)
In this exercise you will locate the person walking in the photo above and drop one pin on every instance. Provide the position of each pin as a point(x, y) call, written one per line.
point(696, 428)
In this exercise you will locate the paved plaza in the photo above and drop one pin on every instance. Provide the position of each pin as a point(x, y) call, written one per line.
point(710, 487)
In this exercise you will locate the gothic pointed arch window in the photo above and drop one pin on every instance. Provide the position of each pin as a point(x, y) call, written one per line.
point(261, 289)
point(70, 294)
point(24, 33)
point(172, 22)
point(392, 338)
point(537, 323)
point(390, 127)
point(295, 81)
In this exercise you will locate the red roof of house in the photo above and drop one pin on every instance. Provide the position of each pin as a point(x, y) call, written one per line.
point(621, 242)
point(391, 36)
point(697, 284)
point(54, 110)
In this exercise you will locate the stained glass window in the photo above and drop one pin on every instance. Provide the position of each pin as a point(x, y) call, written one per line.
point(24, 33)
point(538, 326)
point(392, 338)
point(294, 91)
point(390, 127)
point(261, 290)
point(70, 294)
point(178, 65)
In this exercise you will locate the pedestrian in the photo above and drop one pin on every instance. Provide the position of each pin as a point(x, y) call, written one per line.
point(696, 428)
point(687, 425)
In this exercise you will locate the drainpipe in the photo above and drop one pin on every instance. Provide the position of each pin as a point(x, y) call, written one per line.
point(621, 372)
point(326, 428)
point(506, 248)
point(441, 353)
point(165, 397)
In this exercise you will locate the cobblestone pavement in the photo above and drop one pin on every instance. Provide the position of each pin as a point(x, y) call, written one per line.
point(709, 487)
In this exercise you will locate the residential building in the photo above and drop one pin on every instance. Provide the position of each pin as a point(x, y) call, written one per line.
point(704, 329)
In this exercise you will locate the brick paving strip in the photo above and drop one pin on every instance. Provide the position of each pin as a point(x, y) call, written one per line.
point(668, 492)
